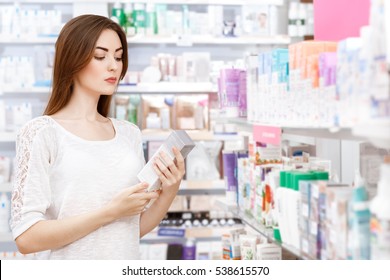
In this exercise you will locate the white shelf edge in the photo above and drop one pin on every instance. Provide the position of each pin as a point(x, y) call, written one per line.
point(161, 87)
point(214, 187)
point(196, 39)
point(204, 39)
point(7, 136)
point(376, 131)
point(35, 40)
point(36, 90)
point(167, 87)
point(188, 2)
point(196, 135)
point(304, 134)
point(5, 187)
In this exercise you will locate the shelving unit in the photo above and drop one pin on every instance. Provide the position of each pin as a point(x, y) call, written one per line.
point(209, 40)
point(266, 232)
point(306, 134)
point(196, 135)
point(198, 233)
point(167, 87)
point(378, 132)
point(173, 2)
point(216, 187)
point(176, 40)
point(162, 87)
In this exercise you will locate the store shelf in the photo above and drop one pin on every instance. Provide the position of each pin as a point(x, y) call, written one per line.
point(199, 233)
point(266, 232)
point(302, 134)
point(196, 135)
point(7, 136)
point(166, 87)
point(177, 40)
point(6, 237)
point(156, 88)
point(28, 41)
point(210, 40)
point(188, 2)
point(255, 225)
point(216, 187)
point(5, 187)
point(378, 132)
point(25, 92)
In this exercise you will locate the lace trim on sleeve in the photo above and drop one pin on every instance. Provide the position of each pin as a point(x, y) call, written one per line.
point(23, 153)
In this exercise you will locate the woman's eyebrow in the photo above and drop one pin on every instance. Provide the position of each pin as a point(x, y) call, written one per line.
point(105, 49)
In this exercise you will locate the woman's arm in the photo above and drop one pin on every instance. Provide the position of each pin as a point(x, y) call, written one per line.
point(170, 176)
point(51, 234)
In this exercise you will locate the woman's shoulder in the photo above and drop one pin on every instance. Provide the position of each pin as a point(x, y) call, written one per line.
point(126, 126)
point(35, 126)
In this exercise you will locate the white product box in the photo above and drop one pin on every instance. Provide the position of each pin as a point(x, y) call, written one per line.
point(178, 139)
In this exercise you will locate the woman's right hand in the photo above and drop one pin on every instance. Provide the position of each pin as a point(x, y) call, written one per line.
point(131, 201)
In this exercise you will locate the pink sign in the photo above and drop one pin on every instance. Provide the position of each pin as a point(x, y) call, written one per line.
point(267, 134)
point(335, 20)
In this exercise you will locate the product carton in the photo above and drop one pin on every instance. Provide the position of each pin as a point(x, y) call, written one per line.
point(178, 139)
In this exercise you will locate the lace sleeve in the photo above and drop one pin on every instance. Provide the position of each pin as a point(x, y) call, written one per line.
point(139, 146)
point(31, 191)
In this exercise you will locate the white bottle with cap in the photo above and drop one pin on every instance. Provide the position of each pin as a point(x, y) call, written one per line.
point(380, 220)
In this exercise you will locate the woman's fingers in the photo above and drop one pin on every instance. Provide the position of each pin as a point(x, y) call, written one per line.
point(168, 162)
point(161, 174)
point(179, 160)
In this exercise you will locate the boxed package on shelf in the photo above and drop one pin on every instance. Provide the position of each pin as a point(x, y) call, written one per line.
point(337, 199)
point(178, 139)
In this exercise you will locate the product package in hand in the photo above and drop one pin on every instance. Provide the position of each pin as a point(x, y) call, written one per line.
point(178, 139)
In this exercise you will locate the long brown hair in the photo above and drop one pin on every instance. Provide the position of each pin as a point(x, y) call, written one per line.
point(74, 50)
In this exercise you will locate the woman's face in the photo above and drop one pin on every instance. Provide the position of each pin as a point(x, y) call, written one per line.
point(101, 75)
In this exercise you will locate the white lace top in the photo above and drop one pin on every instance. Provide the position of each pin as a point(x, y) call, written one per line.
point(59, 175)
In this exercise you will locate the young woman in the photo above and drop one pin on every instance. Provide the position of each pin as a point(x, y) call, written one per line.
point(76, 194)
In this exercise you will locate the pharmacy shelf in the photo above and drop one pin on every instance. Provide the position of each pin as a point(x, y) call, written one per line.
point(152, 88)
point(255, 225)
point(376, 131)
point(7, 136)
point(198, 233)
point(196, 135)
point(167, 87)
point(6, 237)
point(266, 232)
point(174, 2)
point(28, 41)
point(25, 92)
point(5, 187)
point(216, 187)
point(210, 40)
point(302, 134)
point(177, 40)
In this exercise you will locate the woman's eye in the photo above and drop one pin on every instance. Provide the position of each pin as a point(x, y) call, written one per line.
point(99, 57)
point(118, 58)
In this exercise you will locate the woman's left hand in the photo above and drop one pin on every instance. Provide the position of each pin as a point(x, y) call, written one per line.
point(172, 172)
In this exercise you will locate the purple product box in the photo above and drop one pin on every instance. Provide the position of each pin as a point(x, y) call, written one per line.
point(229, 174)
point(229, 87)
point(242, 94)
point(327, 63)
